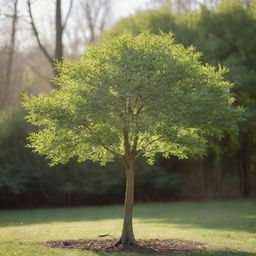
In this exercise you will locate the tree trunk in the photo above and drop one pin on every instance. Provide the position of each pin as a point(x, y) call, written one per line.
point(58, 42)
point(10, 54)
point(127, 237)
point(245, 164)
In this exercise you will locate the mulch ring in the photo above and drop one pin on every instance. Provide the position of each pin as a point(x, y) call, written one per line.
point(143, 246)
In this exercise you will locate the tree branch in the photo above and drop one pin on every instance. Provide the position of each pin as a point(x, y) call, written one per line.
point(32, 22)
point(91, 24)
point(134, 148)
point(120, 157)
point(145, 148)
point(104, 17)
point(47, 79)
point(127, 146)
point(68, 14)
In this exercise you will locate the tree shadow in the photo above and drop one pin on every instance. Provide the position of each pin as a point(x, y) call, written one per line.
point(196, 253)
point(226, 252)
point(237, 215)
point(46, 215)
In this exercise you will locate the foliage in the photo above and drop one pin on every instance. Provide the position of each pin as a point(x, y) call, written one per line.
point(13, 165)
point(26, 180)
point(225, 35)
point(144, 92)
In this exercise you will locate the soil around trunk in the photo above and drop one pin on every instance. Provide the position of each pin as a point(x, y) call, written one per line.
point(150, 246)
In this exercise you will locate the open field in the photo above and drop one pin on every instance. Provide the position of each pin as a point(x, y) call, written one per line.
point(229, 227)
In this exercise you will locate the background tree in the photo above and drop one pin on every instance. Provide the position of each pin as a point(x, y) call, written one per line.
point(96, 14)
point(129, 97)
point(11, 47)
point(59, 29)
point(11, 14)
point(219, 32)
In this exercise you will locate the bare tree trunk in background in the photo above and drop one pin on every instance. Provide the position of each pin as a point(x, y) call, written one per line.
point(96, 14)
point(211, 4)
point(35, 31)
point(246, 163)
point(183, 6)
point(59, 28)
point(10, 54)
point(59, 35)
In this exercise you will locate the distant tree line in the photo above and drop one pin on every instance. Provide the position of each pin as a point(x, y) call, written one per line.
point(225, 33)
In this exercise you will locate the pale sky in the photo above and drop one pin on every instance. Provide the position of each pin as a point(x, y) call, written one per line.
point(120, 8)
point(123, 8)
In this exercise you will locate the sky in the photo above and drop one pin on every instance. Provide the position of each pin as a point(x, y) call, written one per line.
point(120, 8)
point(123, 8)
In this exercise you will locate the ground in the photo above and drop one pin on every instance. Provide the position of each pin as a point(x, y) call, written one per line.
point(228, 227)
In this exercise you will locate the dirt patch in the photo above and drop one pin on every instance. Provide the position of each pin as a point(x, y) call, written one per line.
point(143, 246)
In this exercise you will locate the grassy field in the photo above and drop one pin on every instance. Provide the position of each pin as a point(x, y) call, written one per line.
point(229, 227)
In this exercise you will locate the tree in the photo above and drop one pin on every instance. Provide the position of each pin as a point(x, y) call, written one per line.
point(10, 52)
point(217, 30)
point(128, 97)
point(95, 14)
point(224, 39)
point(59, 28)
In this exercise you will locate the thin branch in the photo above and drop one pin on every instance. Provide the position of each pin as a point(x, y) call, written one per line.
point(68, 14)
point(104, 18)
point(145, 147)
point(120, 157)
point(134, 148)
point(47, 79)
point(127, 146)
point(32, 22)
point(45, 193)
point(90, 21)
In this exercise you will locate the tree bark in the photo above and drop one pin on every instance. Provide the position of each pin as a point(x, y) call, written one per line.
point(127, 237)
point(59, 28)
point(245, 163)
point(59, 44)
point(10, 55)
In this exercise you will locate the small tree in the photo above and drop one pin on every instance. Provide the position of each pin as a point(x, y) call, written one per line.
point(128, 97)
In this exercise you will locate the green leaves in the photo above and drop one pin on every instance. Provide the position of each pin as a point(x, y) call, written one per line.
point(129, 96)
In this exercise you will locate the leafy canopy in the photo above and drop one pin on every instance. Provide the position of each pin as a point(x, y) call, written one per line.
point(132, 95)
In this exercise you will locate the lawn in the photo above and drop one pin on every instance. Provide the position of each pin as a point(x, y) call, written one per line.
point(228, 227)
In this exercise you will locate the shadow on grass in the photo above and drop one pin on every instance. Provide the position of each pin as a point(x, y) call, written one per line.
point(237, 215)
point(205, 253)
point(19, 245)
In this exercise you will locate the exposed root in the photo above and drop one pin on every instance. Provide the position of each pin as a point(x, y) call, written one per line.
point(152, 246)
point(119, 242)
point(125, 242)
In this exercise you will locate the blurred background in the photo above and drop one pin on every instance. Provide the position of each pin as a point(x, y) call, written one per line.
point(36, 32)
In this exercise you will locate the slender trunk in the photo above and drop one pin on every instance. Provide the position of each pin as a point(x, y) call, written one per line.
point(246, 164)
point(10, 55)
point(59, 30)
point(127, 237)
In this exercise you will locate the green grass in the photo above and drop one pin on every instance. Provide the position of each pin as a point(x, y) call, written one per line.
point(228, 227)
